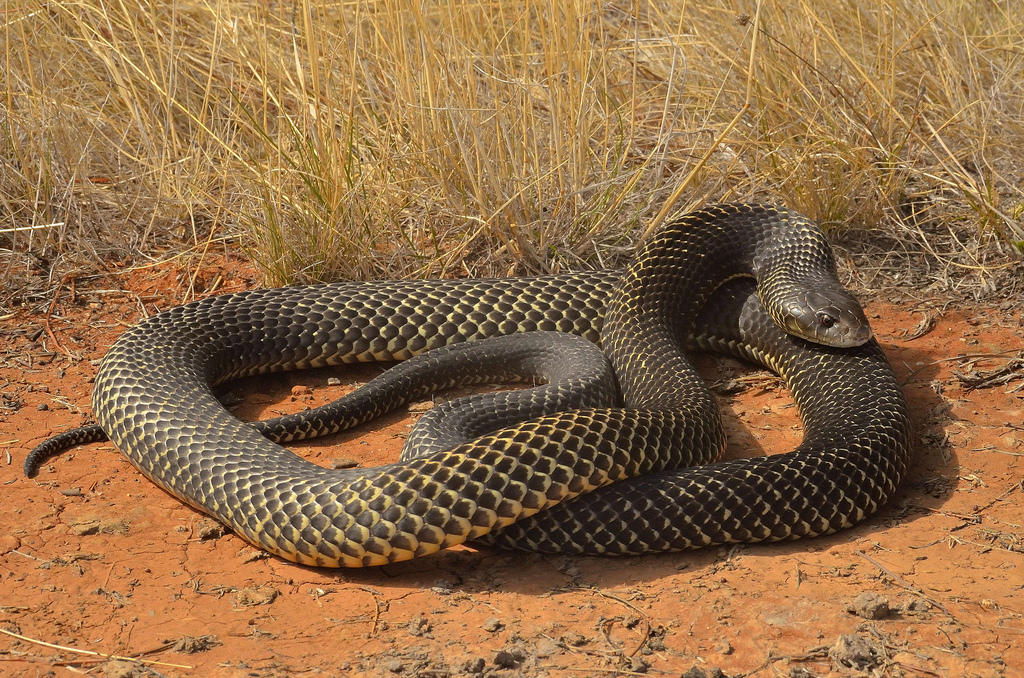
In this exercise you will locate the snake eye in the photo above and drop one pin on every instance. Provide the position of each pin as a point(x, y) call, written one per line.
point(825, 320)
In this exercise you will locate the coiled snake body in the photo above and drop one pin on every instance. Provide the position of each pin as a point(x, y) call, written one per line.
point(153, 398)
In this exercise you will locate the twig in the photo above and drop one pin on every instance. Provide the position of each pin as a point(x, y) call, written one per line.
point(623, 672)
point(376, 609)
point(643, 616)
point(919, 669)
point(1008, 355)
point(94, 654)
point(49, 312)
point(31, 228)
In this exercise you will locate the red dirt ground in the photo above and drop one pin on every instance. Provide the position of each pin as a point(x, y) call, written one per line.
point(96, 559)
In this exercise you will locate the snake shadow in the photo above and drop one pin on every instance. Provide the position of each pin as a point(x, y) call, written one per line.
point(930, 480)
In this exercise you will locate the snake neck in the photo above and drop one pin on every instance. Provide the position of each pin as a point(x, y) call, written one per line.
point(660, 295)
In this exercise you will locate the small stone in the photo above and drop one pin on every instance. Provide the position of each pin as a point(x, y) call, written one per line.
point(343, 462)
point(546, 648)
point(190, 645)
point(724, 647)
point(116, 526)
point(855, 652)
point(638, 665)
point(510, 657)
point(800, 672)
point(252, 596)
point(209, 529)
point(120, 669)
point(697, 672)
point(475, 665)
point(84, 527)
point(231, 399)
point(869, 606)
point(445, 586)
point(42, 407)
point(421, 406)
point(249, 555)
point(573, 639)
point(333, 381)
point(419, 626)
point(394, 666)
point(493, 625)
point(301, 390)
point(916, 606)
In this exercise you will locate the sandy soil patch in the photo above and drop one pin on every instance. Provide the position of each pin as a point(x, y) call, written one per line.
point(95, 557)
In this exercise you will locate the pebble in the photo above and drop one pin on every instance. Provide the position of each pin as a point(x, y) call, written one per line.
point(475, 665)
point(869, 606)
point(510, 657)
point(855, 652)
point(574, 639)
point(343, 462)
point(231, 399)
point(252, 596)
point(394, 666)
point(42, 407)
point(209, 529)
point(697, 672)
point(493, 624)
point(546, 648)
point(301, 390)
point(638, 665)
point(191, 645)
point(84, 528)
point(419, 626)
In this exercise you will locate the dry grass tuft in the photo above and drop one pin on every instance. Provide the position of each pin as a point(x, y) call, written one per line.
point(376, 139)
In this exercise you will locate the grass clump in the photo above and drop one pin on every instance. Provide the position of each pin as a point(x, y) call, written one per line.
point(384, 139)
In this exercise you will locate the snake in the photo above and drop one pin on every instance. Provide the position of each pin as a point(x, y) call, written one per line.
point(634, 474)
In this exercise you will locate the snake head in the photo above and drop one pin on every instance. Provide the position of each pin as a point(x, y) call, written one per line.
point(829, 317)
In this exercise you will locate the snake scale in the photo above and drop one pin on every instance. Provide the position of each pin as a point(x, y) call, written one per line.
point(624, 477)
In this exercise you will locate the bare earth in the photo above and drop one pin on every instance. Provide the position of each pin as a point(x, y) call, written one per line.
point(98, 560)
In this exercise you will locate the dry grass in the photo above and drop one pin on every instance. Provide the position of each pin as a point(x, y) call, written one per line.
point(371, 139)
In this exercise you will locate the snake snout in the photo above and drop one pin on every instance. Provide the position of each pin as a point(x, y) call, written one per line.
point(829, 317)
